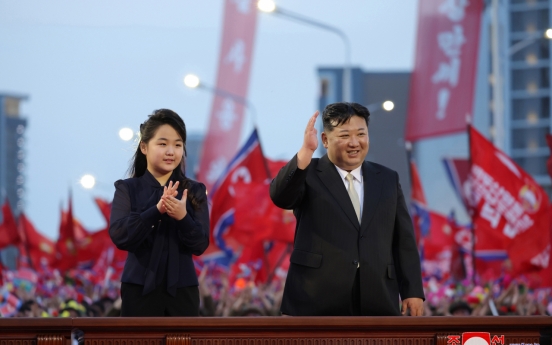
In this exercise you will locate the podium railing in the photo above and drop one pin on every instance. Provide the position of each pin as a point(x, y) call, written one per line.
point(503, 330)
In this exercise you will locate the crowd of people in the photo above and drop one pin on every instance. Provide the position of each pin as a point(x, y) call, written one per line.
point(74, 296)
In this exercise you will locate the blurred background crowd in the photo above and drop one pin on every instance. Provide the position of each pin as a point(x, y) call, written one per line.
point(75, 296)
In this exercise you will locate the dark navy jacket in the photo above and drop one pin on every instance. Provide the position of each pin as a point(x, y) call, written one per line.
point(159, 247)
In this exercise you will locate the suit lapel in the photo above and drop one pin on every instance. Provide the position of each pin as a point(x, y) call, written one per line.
point(332, 180)
point(372, 191)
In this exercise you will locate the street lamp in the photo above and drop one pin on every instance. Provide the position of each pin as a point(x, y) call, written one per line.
point(268, 6)
point(126, 134)
point(193, 82)
point(88, 181)
point(386, 105)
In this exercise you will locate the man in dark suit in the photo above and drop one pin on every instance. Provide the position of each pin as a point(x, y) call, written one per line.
point(354, 250)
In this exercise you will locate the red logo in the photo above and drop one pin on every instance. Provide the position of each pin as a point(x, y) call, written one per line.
point(476, 338)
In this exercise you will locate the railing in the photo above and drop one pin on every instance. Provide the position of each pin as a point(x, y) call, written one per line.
point(504, 330)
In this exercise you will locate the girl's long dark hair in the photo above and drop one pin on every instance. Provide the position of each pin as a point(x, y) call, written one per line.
point(148, 129)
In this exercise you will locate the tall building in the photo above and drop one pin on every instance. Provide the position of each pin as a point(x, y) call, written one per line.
point(527, 85)
point(193, 150)
point(12, 151)
point(386, 128)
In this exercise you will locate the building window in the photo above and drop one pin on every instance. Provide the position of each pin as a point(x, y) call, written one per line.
point(324, 87)
point(527, 2)
point(529, 138)
point(11, 106)
point(529, 21)
point(530, 80)
point(533, 165)
point(527, 108)
point(538, 50)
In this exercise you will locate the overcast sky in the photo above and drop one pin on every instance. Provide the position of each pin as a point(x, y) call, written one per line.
point(93, 67)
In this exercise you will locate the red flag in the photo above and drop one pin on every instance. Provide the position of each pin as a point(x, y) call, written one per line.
point(1, 274)
point(266, 231)
point(442, 83)
point(489, 260)
point(66, 247)
point(251, 265)
point(261, 262)
point(79, 232)
point(509, 207)
point(89, 245)
point(417, 193)
point(105, 208)
point(8, 228)
point(437, 246)
point(36, 249)
point(457, 261)
point(257, 218)
point(236, 55)
point(247, 167)
point(419, 210)
point(458, 170)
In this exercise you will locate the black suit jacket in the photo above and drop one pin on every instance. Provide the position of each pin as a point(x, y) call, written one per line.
point(330, 242)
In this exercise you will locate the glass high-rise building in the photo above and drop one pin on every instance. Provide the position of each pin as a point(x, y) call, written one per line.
point(527, 85)
point(12, 151)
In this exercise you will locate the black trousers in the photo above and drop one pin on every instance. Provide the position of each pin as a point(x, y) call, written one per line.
point(159, 302)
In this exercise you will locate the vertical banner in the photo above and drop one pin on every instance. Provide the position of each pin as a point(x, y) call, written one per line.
point(443, 80)
point(227, 113)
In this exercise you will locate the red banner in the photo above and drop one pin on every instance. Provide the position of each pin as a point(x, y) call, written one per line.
point(442, 84)
point(227, 113)
point(509, 208)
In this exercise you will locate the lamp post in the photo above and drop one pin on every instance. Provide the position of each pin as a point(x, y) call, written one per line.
point(268, 6)
point(87, 181)
point(126, 134)
point(193, 82)
point(386, 105)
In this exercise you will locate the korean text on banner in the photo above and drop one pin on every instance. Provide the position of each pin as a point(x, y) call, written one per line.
point(508, 206)
point(442, 84)
point(227, 113)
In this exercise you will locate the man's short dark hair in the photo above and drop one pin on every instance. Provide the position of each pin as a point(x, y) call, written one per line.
point(336, 114)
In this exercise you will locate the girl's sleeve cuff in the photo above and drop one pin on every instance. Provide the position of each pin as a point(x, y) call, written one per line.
point(150, 216)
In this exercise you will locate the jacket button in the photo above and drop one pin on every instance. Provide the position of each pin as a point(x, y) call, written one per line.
point(355, 262)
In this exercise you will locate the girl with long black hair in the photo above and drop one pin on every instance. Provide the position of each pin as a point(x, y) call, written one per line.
point(161, 218)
